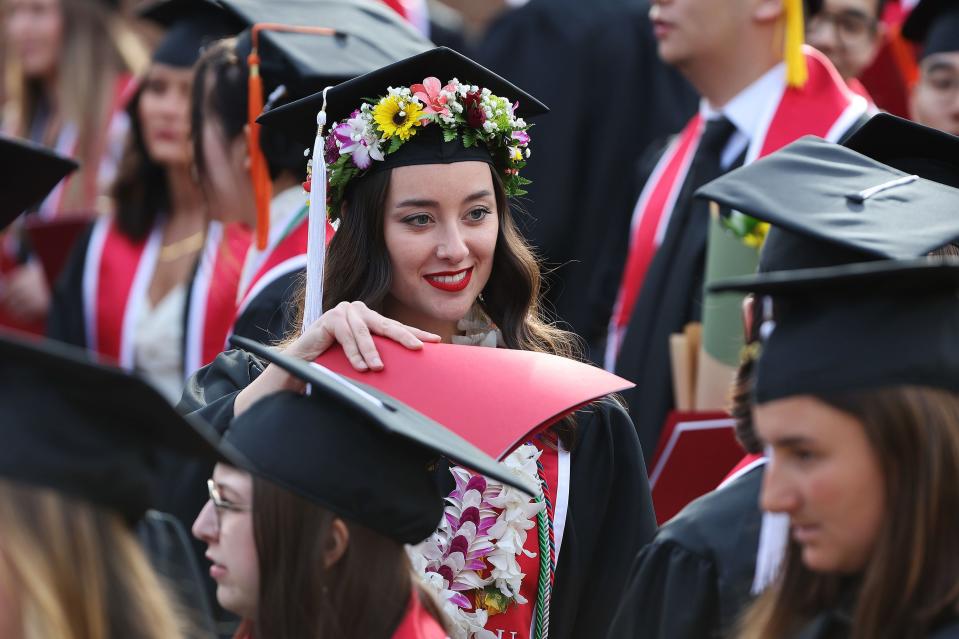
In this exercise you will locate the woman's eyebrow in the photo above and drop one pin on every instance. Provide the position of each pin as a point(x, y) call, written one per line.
point(479, 195)
point(416, 202)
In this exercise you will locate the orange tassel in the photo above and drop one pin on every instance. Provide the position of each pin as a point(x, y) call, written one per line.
point(259, 172)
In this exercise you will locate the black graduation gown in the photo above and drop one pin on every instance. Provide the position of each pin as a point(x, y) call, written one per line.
point(610, 515)
point(694, 579)
point(269, 317)
point(65, 322)
point(596, 66)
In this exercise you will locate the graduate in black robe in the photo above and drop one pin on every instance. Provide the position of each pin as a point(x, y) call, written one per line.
point(604, 526)
point(610, 96)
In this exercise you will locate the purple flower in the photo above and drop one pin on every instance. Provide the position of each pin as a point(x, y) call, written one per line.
point(446, 573)
point(476, 482)
point(521, 136)
point(459, 544)
point(471, 514)
point(331, 151)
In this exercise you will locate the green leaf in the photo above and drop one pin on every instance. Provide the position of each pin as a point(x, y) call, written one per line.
point(449, 135)
point(469, 139)
point(395, 143)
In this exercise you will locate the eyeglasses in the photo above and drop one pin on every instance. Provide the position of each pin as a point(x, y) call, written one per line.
point(852, 29)
point(220, 504)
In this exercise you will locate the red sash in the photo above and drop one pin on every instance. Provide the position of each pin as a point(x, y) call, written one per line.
point(213, 294)
point(417, 623)
point(287, 256)
point(825, 107)
point(117, 274)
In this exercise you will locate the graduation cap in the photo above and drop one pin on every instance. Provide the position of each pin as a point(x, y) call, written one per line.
point(830, 205)
point(934, 24)
point(84, 429)
point(496, 398)
point(30, 172)
point(459, 138)
point(908, 146)
point(858, 326)
point(296, 47)
point(190, 25)
point(353, 449)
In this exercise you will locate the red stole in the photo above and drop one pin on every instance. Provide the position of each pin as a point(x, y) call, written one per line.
point(116, 277)
point(287, 256)
point(418, 623)
point(213, 294)
point(825, 107)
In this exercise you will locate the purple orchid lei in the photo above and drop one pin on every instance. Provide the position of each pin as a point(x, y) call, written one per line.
point(470, 562)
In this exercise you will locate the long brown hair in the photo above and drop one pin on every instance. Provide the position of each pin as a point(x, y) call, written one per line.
point(76, 570)
point(910, 583)
point(140, 191)
point(301, 597)
point(358, 268)
point(98, 46)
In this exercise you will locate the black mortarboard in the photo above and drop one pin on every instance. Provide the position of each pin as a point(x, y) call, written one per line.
point(830, 205)
point(29, 172)
point(352, 449)
point(363, 35)
point(440, 62)
point(934, 24)
point(857, 327)
point(84, 429)
point(190, 26)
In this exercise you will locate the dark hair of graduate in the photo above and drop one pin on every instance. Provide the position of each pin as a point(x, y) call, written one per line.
point(73, 570)
point(220, 92)
point(365, 593)
point(741, 393)
point(358, 268)
point(140, 191)
point(910, 581)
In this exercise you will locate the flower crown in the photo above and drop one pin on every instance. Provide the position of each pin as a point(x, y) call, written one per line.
point(381, 126)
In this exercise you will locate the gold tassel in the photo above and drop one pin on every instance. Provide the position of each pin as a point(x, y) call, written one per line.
point(796, 72)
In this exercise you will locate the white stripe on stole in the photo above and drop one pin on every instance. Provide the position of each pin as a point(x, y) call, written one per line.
point(199, 296)
point(285, 267)
point(138, 294)
point(91, 280)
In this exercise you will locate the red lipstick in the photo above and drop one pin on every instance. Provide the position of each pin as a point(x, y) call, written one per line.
point(450, 281)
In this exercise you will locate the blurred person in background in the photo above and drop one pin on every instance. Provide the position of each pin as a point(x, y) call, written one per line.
point(69, 70)
point(850, 33)
point(124, 292)
point(934, 26)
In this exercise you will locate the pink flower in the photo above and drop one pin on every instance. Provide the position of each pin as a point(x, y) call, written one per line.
point(429, 94)
point(522, 137)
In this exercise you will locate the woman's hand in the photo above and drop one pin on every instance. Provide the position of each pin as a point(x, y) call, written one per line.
point(352, 325)
point(25, 294)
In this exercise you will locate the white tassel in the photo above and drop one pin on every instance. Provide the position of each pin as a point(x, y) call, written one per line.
point(316, 247)
point(773, 537)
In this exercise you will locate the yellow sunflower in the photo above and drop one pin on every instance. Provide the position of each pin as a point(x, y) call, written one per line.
point(397, 116)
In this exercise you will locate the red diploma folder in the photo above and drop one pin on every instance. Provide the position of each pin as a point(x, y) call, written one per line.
point(507, 397)
point(695, 452)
